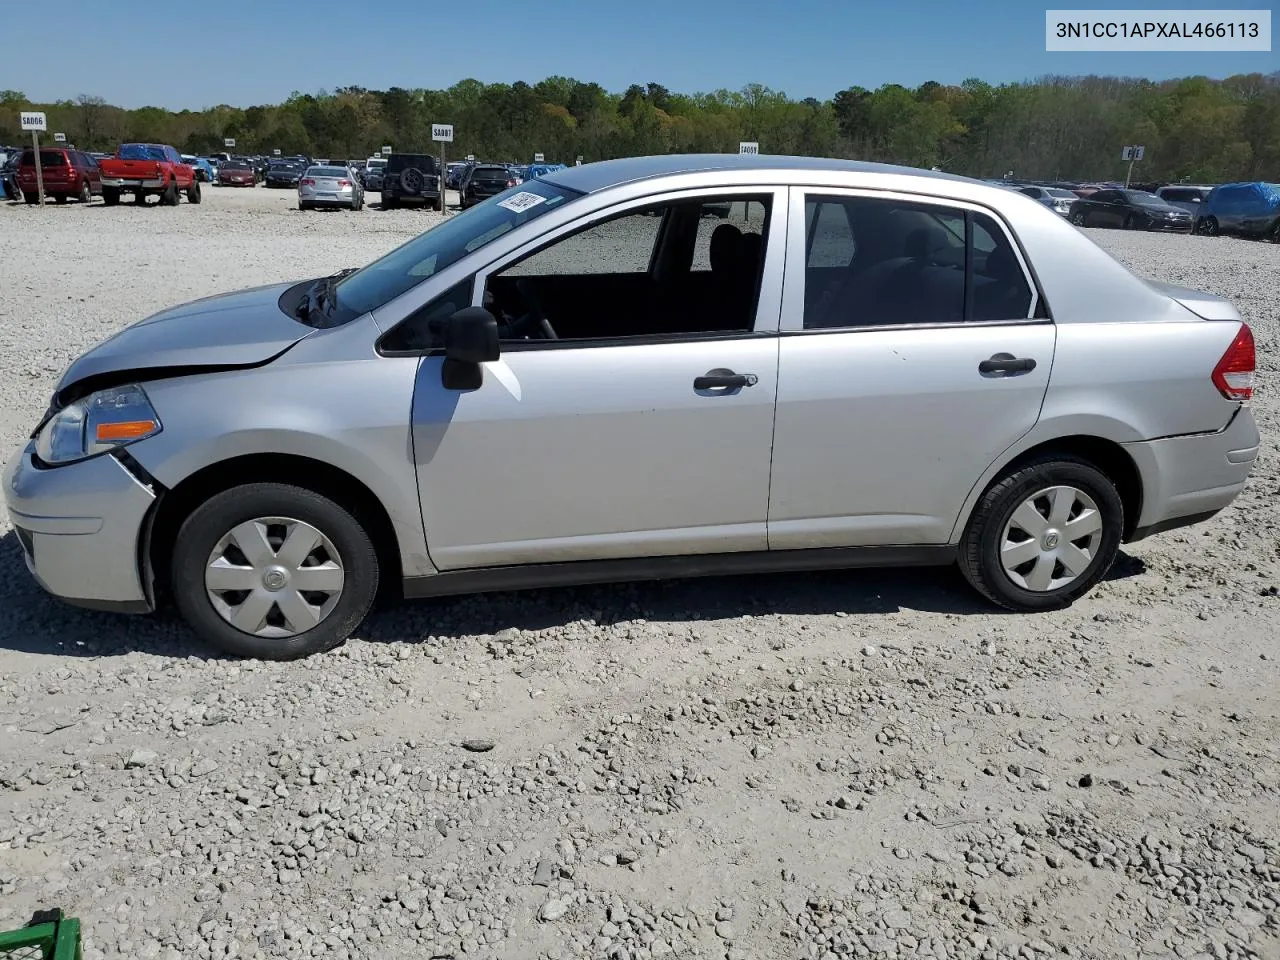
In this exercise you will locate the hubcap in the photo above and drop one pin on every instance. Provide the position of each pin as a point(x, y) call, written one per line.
point(274, 577)
point(1051, 539)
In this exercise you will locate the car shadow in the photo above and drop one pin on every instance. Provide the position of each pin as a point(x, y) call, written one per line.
point(33, 622)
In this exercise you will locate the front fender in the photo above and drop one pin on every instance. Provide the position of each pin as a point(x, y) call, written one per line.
point(352, 415)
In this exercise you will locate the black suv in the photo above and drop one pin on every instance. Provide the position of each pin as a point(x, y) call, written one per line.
point(484, 181)
point(411, 178)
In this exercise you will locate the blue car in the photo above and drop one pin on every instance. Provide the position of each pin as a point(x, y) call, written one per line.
point(1243, 209)
point(204, 169)
point(542, 169)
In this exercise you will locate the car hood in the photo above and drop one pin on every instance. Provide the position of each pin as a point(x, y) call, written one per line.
point(242, 329)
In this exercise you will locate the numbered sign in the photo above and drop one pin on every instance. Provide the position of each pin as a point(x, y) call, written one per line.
point(229, 142)
point(275, 152)
point(442, 132)
point(538, 158)
point(59, 138)
point(1138, 152)
point(386, 151)
point(749, 148)
point(1126, 153)
point(33, 121)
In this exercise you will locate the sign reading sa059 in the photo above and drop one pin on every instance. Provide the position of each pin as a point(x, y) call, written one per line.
point(34, 121)
point(749, 148)
point(442, 132)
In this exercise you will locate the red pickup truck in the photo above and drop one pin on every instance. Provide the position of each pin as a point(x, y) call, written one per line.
point(143, 169)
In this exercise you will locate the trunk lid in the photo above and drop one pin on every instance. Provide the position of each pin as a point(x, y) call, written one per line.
point(1207, 306)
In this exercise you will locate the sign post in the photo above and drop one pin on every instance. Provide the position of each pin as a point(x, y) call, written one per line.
point(1133, 155)
point(442, 133)
point(35, 122)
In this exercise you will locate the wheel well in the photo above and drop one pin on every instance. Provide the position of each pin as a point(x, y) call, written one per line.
point(177, 504)
point(1109, 457)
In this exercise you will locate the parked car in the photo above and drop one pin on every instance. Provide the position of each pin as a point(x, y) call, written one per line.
point(147, 169)
point(67, 174)
point(284, 173)
point(484, 181)
point(411, 178)
point(1055, 198)
point(1243, 209)
point(1130, 209)
point(455, 172)
point(237, 173)
point(1186, 197)
point(330, 187)
point(9, 175)
point(267, 457)
point(373, 170)
point(204, 169)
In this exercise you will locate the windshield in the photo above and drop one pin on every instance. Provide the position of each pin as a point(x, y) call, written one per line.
point(234, 165)
point(429, 253)
point(141, 151)
point(376, 164)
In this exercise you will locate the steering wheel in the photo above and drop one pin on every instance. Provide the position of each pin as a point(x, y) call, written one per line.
point(525, 289)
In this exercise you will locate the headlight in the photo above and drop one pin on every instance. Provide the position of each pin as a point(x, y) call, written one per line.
point(101, 421)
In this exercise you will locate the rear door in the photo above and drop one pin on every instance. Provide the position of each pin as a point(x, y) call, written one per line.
point(901, 381)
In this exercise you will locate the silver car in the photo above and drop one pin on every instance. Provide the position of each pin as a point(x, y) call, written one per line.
point(1055, 198)
point(330, 187)
point(1185, 196)
point(593, 377)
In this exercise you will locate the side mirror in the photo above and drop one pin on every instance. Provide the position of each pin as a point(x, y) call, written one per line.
point(470, 338)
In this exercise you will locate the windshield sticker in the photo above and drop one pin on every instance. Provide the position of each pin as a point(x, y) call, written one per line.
point(522, 201)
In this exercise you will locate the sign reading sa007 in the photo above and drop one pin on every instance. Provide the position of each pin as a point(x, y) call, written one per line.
point(34, 120)
point(442, 132)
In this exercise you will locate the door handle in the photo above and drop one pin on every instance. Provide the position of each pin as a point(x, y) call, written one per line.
point(722, 378)
point(1006, 363)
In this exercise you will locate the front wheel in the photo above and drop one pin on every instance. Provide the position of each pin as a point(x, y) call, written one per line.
point(1209, 226)
point(1078, 219)
point(273, 571)
point(1043, 535)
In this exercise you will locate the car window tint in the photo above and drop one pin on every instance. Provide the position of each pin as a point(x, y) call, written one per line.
point(747, 217)
point(829, 237)
point(1000, 287)
point(624, 245)
point(908, 266)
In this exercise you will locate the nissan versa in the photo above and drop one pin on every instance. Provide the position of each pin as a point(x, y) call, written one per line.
point(596, 376)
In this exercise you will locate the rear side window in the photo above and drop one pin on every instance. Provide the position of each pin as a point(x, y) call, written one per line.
point(872, 263)
point(48, 158)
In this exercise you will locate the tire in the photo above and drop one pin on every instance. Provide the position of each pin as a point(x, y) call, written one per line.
point(170, 196)
point(140, 197)
point(207, 540)
point(1211, 227)
point(438, 205)
point(193, 191)
point(86, 195)
point(31, 197)
point(993, 524)
point(1129, 221)
point(303, 206)
point(388, 203)
point(1079, 219)
point(60, 198)
point(110, 196)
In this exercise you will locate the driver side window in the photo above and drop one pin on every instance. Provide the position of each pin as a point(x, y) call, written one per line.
point(674, 270)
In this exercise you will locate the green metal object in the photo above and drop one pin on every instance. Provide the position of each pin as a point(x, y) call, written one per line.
point(49, 936)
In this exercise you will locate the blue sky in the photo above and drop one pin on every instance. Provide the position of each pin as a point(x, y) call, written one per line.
point(258, 51)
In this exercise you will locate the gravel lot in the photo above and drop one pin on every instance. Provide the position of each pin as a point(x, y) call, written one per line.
point(811, 766)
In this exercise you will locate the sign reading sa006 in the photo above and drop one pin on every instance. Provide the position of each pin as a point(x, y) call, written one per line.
point(34, 120)
point(442, 132)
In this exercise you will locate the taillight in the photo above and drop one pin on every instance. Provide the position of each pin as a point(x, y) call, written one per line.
point(511, 183)
point(1233, 376)
point(307, 182)
point(344, 183)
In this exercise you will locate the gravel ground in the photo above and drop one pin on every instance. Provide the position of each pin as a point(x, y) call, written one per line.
point(813, 766)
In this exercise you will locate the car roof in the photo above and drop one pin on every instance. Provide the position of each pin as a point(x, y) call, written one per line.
point(593, 177)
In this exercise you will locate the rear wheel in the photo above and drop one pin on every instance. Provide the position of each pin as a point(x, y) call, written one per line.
point(193, 191)
point(1079, 219)
point(1043, 535)
point(60, 198)
point(388, 203)
point(303, 206)
point(86, 195)
point(140, 196)
point(31, 196)
point(273, 571)
point(170, 196)
point(110, 196)
point(438, 205)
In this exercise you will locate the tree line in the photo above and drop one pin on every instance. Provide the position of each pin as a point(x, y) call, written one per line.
point(1054, 127)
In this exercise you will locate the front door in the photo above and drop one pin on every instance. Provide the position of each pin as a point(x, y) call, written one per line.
point(899, 383)
point(631, 411)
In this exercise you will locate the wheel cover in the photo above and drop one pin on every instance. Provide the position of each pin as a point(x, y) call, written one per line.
point(1051, 539)
point(274, 577)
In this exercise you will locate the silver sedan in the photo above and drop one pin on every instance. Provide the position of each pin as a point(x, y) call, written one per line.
point(330, 187)
point(596, 375)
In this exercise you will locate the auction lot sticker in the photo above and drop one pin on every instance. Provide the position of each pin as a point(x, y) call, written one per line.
point(522, 201)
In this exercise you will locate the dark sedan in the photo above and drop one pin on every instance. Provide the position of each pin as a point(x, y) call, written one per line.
point(1130, 209)
point(284, 173)
point(484, 181)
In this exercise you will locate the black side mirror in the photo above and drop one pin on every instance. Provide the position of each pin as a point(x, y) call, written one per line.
point(470, 338)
